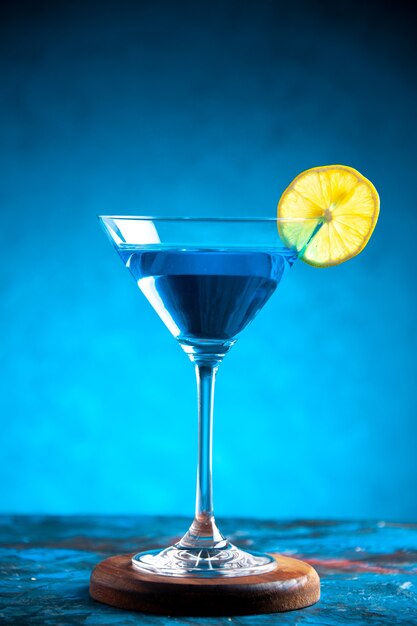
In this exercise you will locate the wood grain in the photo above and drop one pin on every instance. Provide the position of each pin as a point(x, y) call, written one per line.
point(293, 585)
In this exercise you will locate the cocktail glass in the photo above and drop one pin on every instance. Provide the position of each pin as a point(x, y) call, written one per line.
point(207, 278)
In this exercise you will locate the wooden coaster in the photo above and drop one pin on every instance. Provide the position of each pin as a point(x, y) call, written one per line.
point(293, 585)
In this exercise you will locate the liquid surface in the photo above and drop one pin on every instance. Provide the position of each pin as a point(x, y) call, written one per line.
point(207, 294)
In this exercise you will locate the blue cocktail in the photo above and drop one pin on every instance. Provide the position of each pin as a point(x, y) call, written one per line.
point(207, 279)
point(207, 297)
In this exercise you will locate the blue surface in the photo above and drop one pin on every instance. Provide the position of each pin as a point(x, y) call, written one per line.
point(166, 109)
point(367, 569)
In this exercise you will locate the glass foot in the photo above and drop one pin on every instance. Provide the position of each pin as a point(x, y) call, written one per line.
point(203, 562)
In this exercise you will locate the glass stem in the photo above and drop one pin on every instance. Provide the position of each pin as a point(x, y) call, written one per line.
point(203, 532)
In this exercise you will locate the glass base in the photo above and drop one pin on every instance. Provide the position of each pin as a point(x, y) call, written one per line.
point(203, 562)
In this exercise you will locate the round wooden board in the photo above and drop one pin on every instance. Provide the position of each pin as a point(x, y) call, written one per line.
point(293, 585)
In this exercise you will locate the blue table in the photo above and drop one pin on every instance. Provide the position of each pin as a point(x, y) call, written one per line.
point(368, 569)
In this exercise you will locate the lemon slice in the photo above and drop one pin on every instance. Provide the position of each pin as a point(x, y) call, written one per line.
point(343, 207)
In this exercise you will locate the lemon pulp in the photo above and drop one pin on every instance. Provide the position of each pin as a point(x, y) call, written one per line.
point(343, 207)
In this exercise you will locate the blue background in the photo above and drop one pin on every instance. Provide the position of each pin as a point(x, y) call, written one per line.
point(185, 108)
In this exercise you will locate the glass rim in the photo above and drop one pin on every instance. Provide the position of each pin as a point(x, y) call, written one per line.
point(208, 219)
